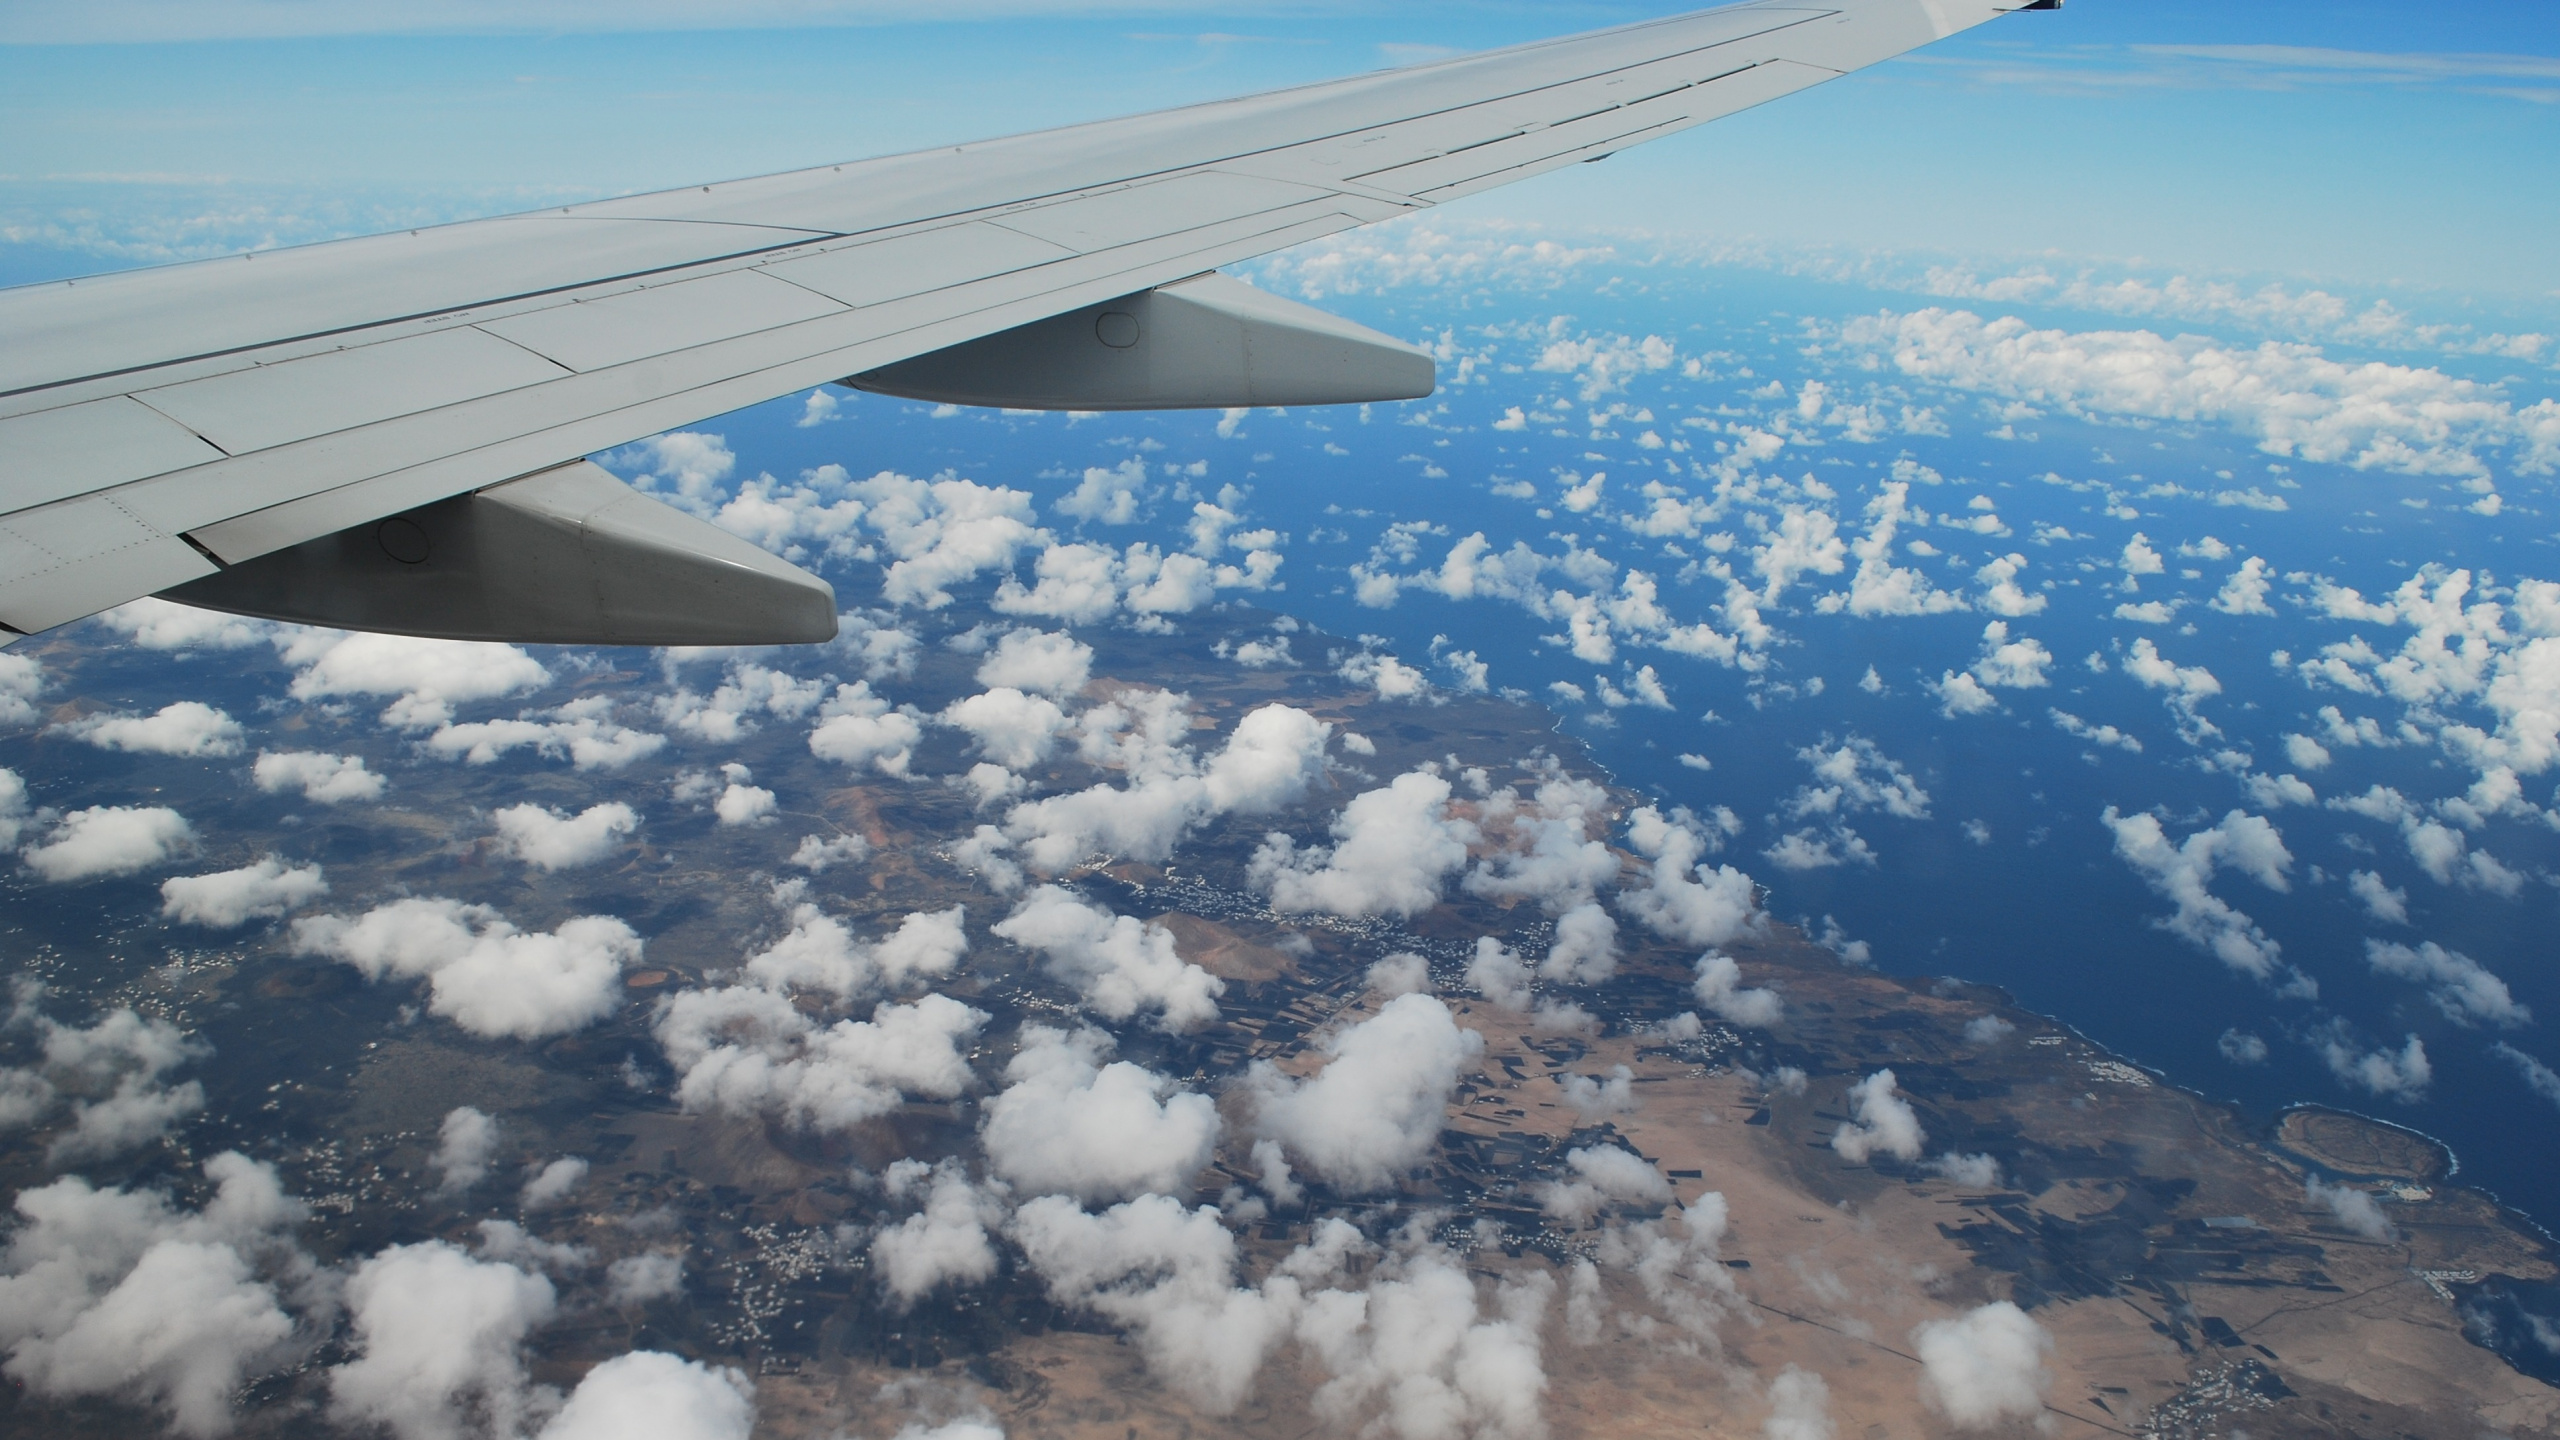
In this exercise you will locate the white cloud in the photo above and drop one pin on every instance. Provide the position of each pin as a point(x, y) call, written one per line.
point(1010, 728)
point(664, 1397)
point(322, 779)
point(188, 728)
point(111, 1074)
point(1881, 587)
point(1719, 988)
point(1603, 1175)
point(229, 899)
point(2460, 986)
point(1855, 776)
point(1389, 677)
point(1118, 965)
point(2403, 1074)
point(437, 1336)
point(1584, 950)
point(731, 712)
point(742, 806)
point(1799, 1407)
point(639, 1279)
point(2183, 872)
point(1107, 496)
point(21, 680)
point(943, 532)
point(1547, 847)
point(2291, 399)
point(109, 840)
point(465, 1142)
point(944, 1243)
point(1393, 848)
point(2356, 1211)
point(2242, 1048)
point(819, 953)
point(1375, 1108)
point(744, 1050)
point(1985, 1368)
point(690, 464)
point(482, 972)
point(1069, 1124)
point(1960, 694)
point(1045, 662)
point(582, 732)
point(858, 729)
point(120, 1295)
point(1973, 1172)
point(1881, 1122)
point(13, 809)
point(2541, 1079)
point(428, 677)
point(553, 1183)
point(2107, 735)
point(1686, 900)
point(2245, 593)
point(157, 624)
point(2002, 594)
point(819, 853)
point(2381, 902)
point(549, 840)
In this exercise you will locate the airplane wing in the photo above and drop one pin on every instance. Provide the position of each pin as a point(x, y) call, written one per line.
point(388, 432)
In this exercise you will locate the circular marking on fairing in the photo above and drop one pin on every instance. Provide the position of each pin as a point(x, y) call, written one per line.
point(402, 540)
point(1117, 329)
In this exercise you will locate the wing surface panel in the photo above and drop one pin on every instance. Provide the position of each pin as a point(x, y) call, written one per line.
point(361, 378)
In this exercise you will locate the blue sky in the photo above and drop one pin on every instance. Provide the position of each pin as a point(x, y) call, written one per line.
point(2358, 144)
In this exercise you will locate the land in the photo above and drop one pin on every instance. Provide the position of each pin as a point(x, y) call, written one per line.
point(2166, 1242)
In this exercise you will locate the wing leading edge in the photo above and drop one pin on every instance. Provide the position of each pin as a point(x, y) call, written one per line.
point(164, 426)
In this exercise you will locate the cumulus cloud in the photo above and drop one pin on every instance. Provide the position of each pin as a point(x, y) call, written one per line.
point(2291, 399)
point(746, 696)
point(2403, 1074)
point(1880, 1122)
point(1687, 900)
point(109, 840)
point(548, 839)
point(428, 678)
point(1799, 1407)
point(1043, 662)
point(1720, 989)
point(188, 728)
point(1585, 948)
point(229, 899)
point(1119, 965)
point(21, 680)
point(482, 972)
point(111, 1075)
point(2541, 1079)
point(436, 1336)
point(946, 1242)
point(745, 1050)
point(320, 778)
point(1601, 1176)
point(1547, 847)
point(820, 952)
point(548, 1185)
point(1986, 1367)
point(466, 1141)
point(2355, 1211)
point(1070, 1123)
point(13, 809)
point(943, 532)
point(583, 732)
point(639, 1279)
point(1374, 1110)
point(2460, 986)
point(860, 730)
point(650, 1393)
point(2182, 872)
point(119, 1294)
point(1010, 728)
point(157, 624)
point(1394, 846)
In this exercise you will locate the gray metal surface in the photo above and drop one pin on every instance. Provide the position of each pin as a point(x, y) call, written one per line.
point(571, 556)
point(1199, 344)
point(345, 382)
